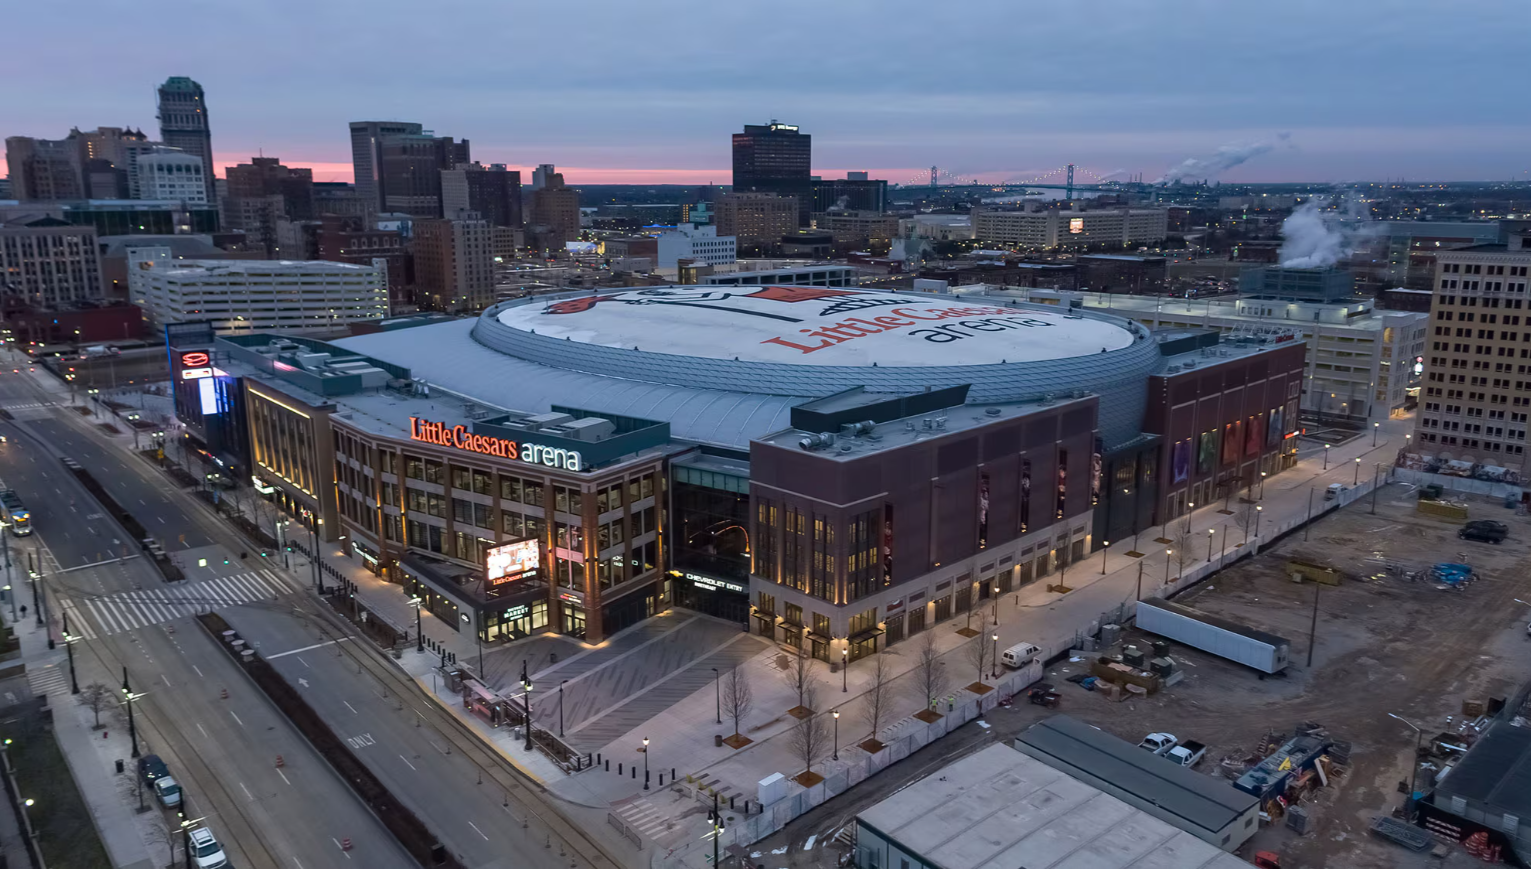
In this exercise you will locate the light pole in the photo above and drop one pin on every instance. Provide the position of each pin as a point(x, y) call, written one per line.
point(313, 552)
point(1104, 545)
point(1376, 484)
point(560, 707)
point(1210, 533)
point(526, 685)
point(128, 698)
point(836, 715)
point(1309, 522)
point(1357, 480)
point(994, 656)
point(419, 632)
point(646, 762)
point(1167, 554)
point(1326, 457)
point(1262, 485)
point(1313, 625)
point(717, 690)
point(1190, 513)
point(1258, 512)
point(1419, 736)
point(715, 818)
point(186, 826)
point(845, 663)
point(1375, 427)
point(74, 681)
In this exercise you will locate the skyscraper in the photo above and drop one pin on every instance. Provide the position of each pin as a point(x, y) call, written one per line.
point(367, 155)
point(409, 171)
point(775, 158)
point(183, 124)
point(492, 191)
point(263, 193)
point(43, 169)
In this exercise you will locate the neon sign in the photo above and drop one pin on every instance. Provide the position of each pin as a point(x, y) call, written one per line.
point(460, 438)
point(196, 359)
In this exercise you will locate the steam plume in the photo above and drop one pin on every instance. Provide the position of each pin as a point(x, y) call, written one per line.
point(1315, 236)
point(1228, 156)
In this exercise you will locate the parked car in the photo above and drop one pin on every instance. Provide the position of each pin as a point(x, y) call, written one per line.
point(1019, 655)
point(1188, 753)
point(150, 767)
point(1484, 530)
point(1159, 743)
point(168, 791)
point(206, 851)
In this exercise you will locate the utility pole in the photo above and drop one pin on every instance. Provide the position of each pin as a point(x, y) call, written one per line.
point(1313, 625)
point(1309, 523)
point(127, 695)
point(1376, 484)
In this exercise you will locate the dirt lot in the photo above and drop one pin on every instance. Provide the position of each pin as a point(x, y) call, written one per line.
point(1385, 643)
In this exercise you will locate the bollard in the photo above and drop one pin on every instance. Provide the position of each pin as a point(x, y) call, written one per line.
point(480, 776)
point(635, 773)
point(730, 802)
point(661, 779)
point(549, 843)
point(672, 773)
point(608, 765)
point(506, 803)
point(619, 767)
point(598, 757)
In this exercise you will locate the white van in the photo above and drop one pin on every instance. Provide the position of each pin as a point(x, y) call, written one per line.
point(1334, 491)
point(1019, 655)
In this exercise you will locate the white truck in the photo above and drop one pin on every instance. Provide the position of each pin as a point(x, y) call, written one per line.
point(1019, 655)
point(1188, 753)
point(1159, 743)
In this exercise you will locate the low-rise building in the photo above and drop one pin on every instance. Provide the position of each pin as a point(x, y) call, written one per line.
point(999, 808)
point(1053, 228)
point(701, 244)
point(802, 276)
point(171, 174)
point(1121, 273)
point(241, 296)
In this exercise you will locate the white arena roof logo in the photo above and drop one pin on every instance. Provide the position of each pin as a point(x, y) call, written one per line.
point(815, 326)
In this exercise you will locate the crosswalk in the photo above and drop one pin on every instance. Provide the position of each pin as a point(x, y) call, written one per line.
point(650, 822)
point(25, 405)
point(127, 611)
point(48, 680)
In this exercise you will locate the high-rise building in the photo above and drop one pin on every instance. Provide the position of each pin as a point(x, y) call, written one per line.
point(554, 219)
point(50, 262)
point(757, 220)
point(262, 193)
point(183, 124)
point(352, 240)
point(850, 194)
point(775, 158)
point(454, 264)
point(43, 169)
point(1477, 392)
point(410, 171)
point(171, 174)
point(109, 161)
point(492, 191)
point(541, 174)
point(367, 155)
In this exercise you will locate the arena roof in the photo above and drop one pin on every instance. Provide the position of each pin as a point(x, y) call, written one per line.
point(815, 326)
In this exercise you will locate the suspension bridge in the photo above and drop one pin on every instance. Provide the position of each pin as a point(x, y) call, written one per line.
point(1061, 178)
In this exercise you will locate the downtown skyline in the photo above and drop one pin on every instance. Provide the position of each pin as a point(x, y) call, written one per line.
point(1117, 91)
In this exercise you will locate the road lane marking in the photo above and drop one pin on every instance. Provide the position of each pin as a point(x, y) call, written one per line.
point(199, 672)
point(284, 776)
point(342, 850)
point(165, 679)
point(306, 648)
point(305, 663)
point(477, 830)
point(410, 765)
point(350, 707)
point(201, 728)
point(236, 718)
point(246, 790)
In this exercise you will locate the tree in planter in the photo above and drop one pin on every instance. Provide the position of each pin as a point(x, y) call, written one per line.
point(97, 697)
point(980, 653)
point(807, 740)
point(738, 696)
point(159, 833)
point(1244, 518)
point(929, 673)
point(800, 678)
point(1182, 545)
point(878, 697)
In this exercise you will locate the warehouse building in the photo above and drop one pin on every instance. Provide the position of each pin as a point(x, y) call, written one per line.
point(1001, 809)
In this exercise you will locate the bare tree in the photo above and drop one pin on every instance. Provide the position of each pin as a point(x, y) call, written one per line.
point(159, 833)
point(980, 653)
point(96, 697)
point(738, 696)
point(809, 737)
point(800, 678)
point(1182, 545)
point(879, 695)
point(1244, 518)
point(929, 673)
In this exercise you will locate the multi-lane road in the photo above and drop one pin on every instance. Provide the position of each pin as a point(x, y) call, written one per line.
point(225, 750)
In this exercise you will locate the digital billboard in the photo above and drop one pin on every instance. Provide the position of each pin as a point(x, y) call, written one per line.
point(504, 563)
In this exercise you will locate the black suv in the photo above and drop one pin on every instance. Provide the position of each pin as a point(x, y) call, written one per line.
point(1485, 530)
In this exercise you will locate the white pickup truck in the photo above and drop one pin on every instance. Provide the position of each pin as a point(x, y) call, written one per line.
point(1159, 743)
point(1188, 753)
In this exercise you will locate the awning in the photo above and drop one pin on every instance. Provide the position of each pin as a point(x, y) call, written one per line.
point(869, 634)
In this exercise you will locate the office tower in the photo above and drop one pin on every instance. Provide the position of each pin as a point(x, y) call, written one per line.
point(850, 194)
point(109, 160)
point(262, 194)
point(367, 155)
point(173, 175)
point(43, 169)
point(49, 261)
point(757, 220)
point(1477, 391)
point(409, 171)
point(541, 174)
point(775, 158)
point(554, 219)
point(454, 264)
point(183, 123)
point(492, 191)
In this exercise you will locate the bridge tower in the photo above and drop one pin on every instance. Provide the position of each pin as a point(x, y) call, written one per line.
point(933, 175)
point(1069, 184)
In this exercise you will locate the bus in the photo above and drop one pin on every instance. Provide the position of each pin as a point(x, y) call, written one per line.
point(15, 513)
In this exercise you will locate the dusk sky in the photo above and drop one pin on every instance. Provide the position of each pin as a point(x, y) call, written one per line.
point(649, 92)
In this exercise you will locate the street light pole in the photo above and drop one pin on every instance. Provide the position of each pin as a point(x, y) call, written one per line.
point(1375, 427)
point(1376, 484)
point(717, 690)
point(836, 715)
point(646, 762)
point(1357, 480)
point(845, 663)
point(994, 655)
point(1167, 554)
point(313, 552)
point(74, 681)
point(127, 694)
point(419, 631)
point(1262, 485)
point(526, 684)
point(1309, 523)
point(1313, 625)
point(1326, 457)
point(1210, 533)
point(560, 707)
point(1105, 545)
point(1414, 765)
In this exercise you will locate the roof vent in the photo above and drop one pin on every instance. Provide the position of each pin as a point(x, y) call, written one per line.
point(941, 423)
point(993, 411)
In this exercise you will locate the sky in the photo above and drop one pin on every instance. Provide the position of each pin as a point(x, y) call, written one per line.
point(623, 92)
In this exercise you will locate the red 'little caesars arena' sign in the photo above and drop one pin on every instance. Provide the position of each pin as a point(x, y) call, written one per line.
point(460, 438)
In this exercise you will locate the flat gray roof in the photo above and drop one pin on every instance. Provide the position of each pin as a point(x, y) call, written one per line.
point(1208, 803)
point(999, 809)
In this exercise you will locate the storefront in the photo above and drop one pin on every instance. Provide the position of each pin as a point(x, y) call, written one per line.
point(721, 598)
point(517, 621)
